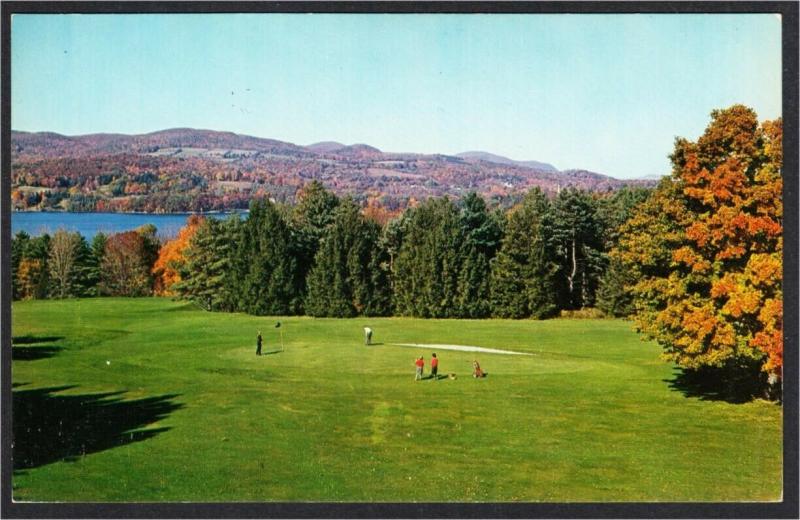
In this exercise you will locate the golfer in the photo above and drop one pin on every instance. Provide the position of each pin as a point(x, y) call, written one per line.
point(367, 336)
point(258, 344)
point(434, 367)
point(420, 363)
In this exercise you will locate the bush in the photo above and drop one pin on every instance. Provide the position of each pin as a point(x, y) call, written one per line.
point(588, 313)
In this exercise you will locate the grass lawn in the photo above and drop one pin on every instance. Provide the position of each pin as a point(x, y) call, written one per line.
point(153, 400)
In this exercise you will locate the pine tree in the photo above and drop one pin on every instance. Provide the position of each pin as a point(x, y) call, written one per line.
point(206, 274)
point(87, 276)
point(428, 264)
point(523, 273)
point(19, 244)
point(348, 278)
point(482, 235)
point(94, 263)
point(577, 239)
point(614, 296)
point(269, 278)
point(614, 209)
point(309, 220)
point(391, 241)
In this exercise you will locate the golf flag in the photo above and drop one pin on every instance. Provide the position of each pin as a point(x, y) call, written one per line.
point(278, 325)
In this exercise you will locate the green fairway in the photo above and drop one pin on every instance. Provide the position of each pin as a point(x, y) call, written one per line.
point(154, 400)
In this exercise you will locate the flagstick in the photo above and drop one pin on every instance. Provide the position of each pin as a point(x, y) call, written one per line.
point(281, 331)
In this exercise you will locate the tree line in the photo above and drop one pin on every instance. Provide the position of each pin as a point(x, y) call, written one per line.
point(439, 259)
point(324, 257)
point(696, 262)
point(66, 265)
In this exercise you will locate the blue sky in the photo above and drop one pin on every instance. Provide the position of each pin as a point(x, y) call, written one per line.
point(607, 93)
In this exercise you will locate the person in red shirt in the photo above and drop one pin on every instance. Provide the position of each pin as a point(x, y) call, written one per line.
point(434, 367)
point(420, 363)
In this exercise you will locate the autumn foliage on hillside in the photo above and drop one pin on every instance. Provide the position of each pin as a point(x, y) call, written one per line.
point(171, 255)
point(708, 248)
point(184, 170)
point(375, 211)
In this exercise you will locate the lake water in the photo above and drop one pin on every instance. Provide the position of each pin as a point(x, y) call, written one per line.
point(89, 224)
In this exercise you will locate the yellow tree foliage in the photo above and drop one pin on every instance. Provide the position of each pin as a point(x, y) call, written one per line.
point(171, 255)
point(28, 277)
point(707, 247)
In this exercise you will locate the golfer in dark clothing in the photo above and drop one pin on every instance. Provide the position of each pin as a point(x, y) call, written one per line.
point(258, 344)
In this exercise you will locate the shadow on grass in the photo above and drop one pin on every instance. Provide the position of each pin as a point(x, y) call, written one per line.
point(32, 353)
point(436, 377)
point(271, 352)
point(739, 385)
point(49, 428)
point(30, 340)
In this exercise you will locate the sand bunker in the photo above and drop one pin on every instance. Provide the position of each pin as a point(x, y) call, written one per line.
point(465, 348)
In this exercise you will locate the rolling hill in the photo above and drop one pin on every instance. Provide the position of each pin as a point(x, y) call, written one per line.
point(184, 169)
point(499, 159)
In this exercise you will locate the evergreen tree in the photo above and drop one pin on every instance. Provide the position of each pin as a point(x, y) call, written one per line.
point(391, 241)
point(19, 244)
point(482, 235)
point(87, 276)
point(428, 264)
point(269, 280)
point(94, 262)
point(615, 209)
point(577, 240)
point(206, 275)
point(348, 278)
point(311, 216)
point(614, 296)
point(523, 273)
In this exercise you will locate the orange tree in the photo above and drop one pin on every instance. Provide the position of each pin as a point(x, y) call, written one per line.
point(706, 249)
point(171, 257)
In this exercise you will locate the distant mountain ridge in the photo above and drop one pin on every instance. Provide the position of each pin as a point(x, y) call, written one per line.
point(499, 159)
point(326, 146)
point(187, 169)
point(57, 145)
